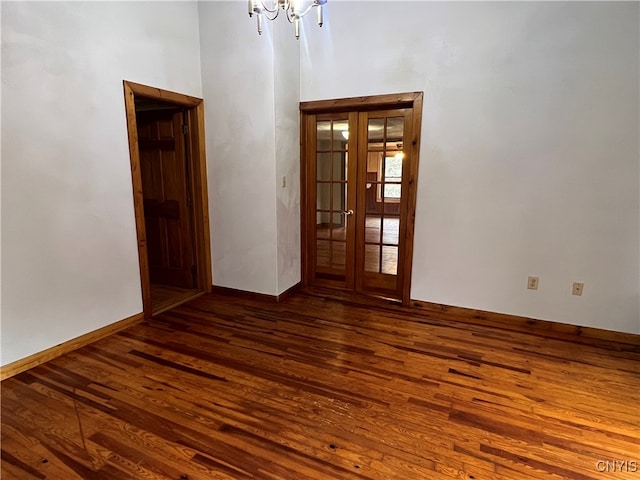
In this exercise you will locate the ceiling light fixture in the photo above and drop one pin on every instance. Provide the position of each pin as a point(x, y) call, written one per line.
point(294, 10)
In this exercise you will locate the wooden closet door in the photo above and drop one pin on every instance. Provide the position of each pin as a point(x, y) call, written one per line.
point(164, 184)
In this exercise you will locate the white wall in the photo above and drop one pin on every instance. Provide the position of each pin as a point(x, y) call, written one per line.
point(238, 85)
point(70, 262)
point(530, 159)
point(287, 123)
point(251, 90)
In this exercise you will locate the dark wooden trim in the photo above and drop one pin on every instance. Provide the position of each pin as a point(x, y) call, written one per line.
point(307, 194)
point(359, 143)
point(234, 292)
point(164, 95)
point(198, 187)
point(353, 203)
point(288, 292)
point(201, 203)
point(435, 312)
point(138, 198)
point(412, 195)
point(378, 102)
point(44, 356)
point(534, 326)
point(304, 249)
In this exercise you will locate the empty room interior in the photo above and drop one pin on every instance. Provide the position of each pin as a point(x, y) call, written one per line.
point(359, 240)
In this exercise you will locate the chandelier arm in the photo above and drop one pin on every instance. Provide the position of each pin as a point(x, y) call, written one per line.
point(263, 7)
point(290, 15)
point(300, 15)
point(271, 15)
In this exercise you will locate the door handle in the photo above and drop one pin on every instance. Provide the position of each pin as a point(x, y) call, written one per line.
point(348, 212)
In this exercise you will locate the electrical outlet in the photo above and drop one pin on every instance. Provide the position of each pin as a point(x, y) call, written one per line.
point(532, 283)
point(577, 288)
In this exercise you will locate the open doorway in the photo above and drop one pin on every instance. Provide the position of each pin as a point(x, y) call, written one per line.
point(168, 169)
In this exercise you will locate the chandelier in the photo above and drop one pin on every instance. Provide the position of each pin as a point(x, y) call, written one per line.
point(294, 10)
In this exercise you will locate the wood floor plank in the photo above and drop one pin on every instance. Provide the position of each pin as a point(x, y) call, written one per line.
point(311, 388)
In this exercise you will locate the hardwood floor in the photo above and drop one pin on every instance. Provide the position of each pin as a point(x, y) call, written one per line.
point(227, 388)
point(165, 297)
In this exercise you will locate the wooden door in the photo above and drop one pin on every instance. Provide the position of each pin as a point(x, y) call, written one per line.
point(331, 235)
point(165, 178)
point(359, 171)
point(383, 202)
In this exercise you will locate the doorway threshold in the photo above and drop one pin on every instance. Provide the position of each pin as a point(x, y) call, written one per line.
point(166, 297)
point(347, 296)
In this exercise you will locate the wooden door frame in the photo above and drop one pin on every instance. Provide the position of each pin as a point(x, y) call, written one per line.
point(198, 184)
point(411, 100)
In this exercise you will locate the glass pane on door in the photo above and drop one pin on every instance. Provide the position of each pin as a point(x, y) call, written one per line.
point(323, 167)
point(331, 195)
point(390, 260)
point(371, 258)
point(385, 164)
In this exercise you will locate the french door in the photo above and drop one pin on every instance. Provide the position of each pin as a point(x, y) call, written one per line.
point(359, 168)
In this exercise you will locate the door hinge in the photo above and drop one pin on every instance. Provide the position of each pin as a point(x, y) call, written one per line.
point(194, 275)
point(185, 128)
